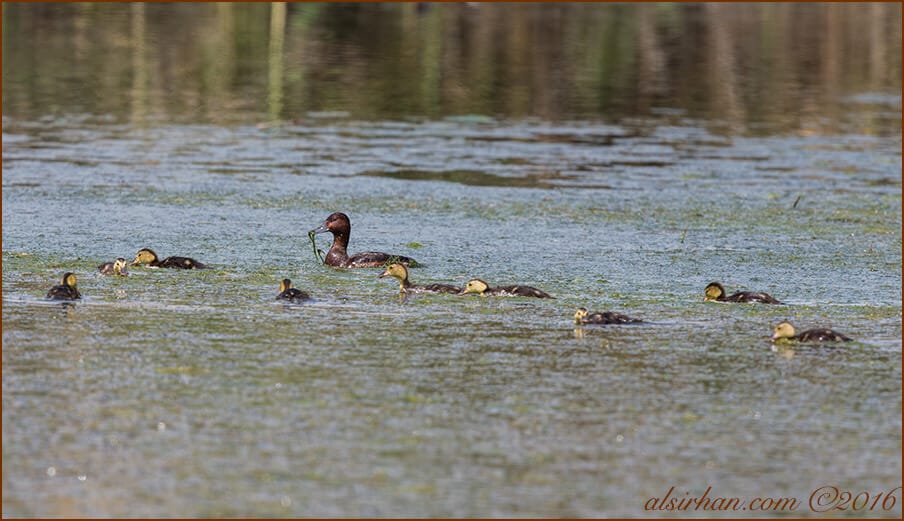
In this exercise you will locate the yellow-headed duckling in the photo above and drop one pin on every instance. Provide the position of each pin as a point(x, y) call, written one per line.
point(785, 331)
point(288, 292)
point(400, 272)
point(582, 316)
point(65, 290)
point(482, 288)
point(117, 267)
point(147, 256)
point(339, 225)
point(715, 291)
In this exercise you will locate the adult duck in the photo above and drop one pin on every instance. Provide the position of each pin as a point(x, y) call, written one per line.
point(339, 225)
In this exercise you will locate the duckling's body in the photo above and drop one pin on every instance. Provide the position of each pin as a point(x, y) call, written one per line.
point(400, 272)
point(715, 291)
point(785, 331)
point(582, 316)
point(117, 267)
point(340, 226)
point(147, 256)
point(288, 292)
point(66, 290)
point(483, 289)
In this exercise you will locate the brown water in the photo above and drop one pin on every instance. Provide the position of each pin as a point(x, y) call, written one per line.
point(619, 157)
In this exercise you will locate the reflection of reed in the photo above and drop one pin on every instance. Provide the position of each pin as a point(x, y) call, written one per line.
point(785, 64)
point(139, 93)
point(275, 60)
point(218, 62)
point(723, 82)
point(651, 70)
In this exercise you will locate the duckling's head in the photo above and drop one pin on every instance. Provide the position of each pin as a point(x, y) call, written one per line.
point(119, 266)
point(713, 291)
point(783, 330)
point(580, 315)
point(337, 223)
point(284, 285)
point(396, 270)
point(475, 286)
point(68, 279)
point(144, 256)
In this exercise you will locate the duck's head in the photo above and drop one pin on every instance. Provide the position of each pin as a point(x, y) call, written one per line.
point(144, 256)
point(580, 315)
point(68, 279)
point(284, 285)
point(475, 286)
point(119, 266)
point(337, 223)
point(713, 291)
point(395, 270)
point(783, 330)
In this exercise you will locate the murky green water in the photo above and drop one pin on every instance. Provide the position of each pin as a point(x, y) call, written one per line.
point(197, 394)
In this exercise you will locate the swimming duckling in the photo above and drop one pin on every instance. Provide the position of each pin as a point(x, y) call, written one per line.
point(117, 267)
point(482, 288)
point(339, 225)
point(715, 291)
point(785, 331)
point(65, 290)
point(582, 316)
point(400, 272)
point(147, 256)
point(288, 292)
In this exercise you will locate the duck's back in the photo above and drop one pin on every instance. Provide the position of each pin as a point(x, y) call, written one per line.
point(433, 288)
point(62, 292)
point(376, 259)
point(751, 296)
point(821, 335)
point(610, 317)
point(293, 294)
point(518, 291)
point(181, 263)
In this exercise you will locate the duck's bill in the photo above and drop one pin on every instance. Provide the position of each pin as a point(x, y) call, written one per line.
point(384, 274)
point(320, 229)
point(134, 262)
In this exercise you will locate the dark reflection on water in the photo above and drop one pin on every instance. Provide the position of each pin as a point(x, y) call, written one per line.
point(752, 68)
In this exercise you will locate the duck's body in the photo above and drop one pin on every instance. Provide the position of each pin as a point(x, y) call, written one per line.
point(66, 290)
point(288, 292)
point(117, 267)
point(400, 272)
point(147, 256)
point(483, 289)
point(785, 331)
point(340, 226)
point(582, 316)
point(716, 292)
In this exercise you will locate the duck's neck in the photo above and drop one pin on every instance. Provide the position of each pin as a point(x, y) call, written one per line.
point(338, 254)
point(404, 284)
